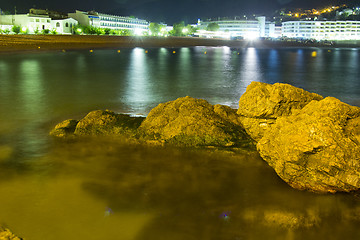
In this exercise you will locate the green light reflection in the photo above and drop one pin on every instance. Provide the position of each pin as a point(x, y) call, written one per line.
point(31, 87)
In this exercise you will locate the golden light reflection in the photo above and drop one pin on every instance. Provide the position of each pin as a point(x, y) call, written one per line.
point(58, 208)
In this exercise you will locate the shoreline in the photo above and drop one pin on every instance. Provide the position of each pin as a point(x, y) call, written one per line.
point(41, 43)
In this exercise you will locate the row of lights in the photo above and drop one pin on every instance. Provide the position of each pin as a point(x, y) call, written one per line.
point(313, 54)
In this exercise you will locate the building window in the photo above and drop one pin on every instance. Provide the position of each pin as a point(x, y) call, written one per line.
point(66, 24)
point(57, 24)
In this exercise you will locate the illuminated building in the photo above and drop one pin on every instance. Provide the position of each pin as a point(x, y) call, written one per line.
point(38, 20)
point(322, 30)
point(256, 28)
point(101, 20)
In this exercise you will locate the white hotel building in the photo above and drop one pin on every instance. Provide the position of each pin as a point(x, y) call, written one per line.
point(256, 28)
point(37, 20)
point(102, 20)
point(322, 30)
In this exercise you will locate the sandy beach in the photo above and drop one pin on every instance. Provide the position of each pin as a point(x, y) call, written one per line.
point(16, 43)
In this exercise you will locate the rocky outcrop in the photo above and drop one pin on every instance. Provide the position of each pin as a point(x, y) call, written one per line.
point(194, 122)
point(263, 103)
point(311, 142)
point(99, 123)
point(6, 234)
point(186, 122)
point(316, 148)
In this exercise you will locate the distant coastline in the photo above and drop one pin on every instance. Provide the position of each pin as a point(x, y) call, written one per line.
point(39, 43)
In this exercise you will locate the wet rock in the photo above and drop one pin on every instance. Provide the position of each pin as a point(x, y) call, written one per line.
point(65, 128)
point(194, 122)
point(263, 103)
point(6, 234)
point(107, 122)
point(99, 123)
point(317, 148)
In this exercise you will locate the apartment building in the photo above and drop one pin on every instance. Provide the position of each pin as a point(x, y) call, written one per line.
point(256, 28)
point(322, 30)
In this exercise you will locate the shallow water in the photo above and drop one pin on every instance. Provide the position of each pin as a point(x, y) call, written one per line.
point(110, 189)
point(101, 189)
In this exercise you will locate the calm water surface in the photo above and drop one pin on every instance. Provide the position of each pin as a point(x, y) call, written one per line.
point(110, 190)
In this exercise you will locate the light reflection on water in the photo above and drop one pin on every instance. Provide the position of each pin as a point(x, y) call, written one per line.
point(89, 190)
point(251, 70)
point(138, 91)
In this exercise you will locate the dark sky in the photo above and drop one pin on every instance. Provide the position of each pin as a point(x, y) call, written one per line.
point(168, 11)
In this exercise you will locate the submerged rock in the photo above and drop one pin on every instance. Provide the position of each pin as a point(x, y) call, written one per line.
point(280, 218)
point(194, 122)
point(6, 234)
point(263, 103)
point(317, 148)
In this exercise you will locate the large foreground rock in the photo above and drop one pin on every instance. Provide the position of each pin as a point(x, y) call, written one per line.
point(193, 122)
point(316, 148)
point(263, 103)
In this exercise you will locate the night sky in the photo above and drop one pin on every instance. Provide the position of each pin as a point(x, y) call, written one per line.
point(168, 11)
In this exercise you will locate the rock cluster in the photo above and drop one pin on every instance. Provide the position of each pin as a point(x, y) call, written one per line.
point(313, 143)
point(186, 121)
